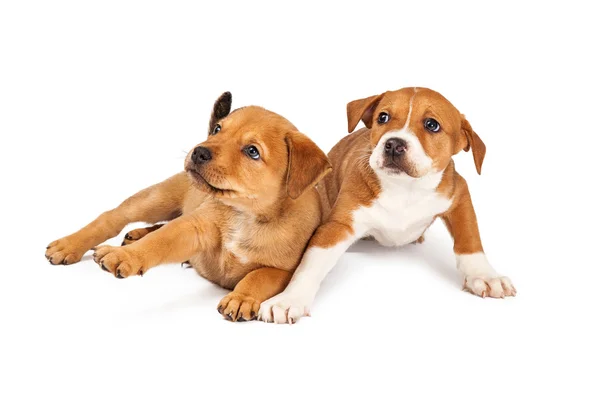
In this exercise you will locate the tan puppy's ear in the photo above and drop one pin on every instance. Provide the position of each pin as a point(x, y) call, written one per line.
point(221, 109)
point(307, 164)
point(473, 142)
point(362, 110)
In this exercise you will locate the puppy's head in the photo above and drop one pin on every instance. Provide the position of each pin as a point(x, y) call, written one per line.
point(253, 157)
point(414, 132)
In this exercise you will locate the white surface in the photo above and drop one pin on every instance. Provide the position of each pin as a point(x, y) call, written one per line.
point(99, 101)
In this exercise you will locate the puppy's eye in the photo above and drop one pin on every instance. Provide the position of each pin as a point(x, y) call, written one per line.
point(383, 118)
point(431, 125)
point(216, 129)
point(252, 152)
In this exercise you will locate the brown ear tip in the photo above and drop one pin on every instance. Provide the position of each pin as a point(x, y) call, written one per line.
point(226, 95)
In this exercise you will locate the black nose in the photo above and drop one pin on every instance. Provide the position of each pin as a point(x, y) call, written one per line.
point(395, 146)
point(201, 155)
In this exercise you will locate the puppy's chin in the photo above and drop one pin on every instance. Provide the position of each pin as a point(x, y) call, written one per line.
point(203, 184)
point(396, 168)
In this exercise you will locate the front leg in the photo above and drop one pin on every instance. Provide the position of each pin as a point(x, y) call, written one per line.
point(175, 242)
point(242, 304)
point(325, 248)
point(160, 202)
point(479, 276)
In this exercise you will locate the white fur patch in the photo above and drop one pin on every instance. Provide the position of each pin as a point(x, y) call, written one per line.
point(404, 209)
point(233, 249)
point(234, 237)
point(481, 279)
point(295, 301)
point(475, 264)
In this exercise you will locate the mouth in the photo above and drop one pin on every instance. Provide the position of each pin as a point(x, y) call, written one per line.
point(203, 183)
point(394, 166)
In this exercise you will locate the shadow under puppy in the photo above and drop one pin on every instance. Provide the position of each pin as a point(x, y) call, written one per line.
point(241, 214)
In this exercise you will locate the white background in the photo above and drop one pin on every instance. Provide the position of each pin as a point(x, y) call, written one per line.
point(101, 99)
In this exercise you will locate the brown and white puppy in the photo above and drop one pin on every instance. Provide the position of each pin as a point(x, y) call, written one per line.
point(241, 214)
point(390, 181)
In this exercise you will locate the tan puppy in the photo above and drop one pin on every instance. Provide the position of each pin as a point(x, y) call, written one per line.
point(241, 214)
point(391, 180)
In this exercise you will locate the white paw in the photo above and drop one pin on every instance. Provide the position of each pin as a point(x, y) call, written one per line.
point(284, 309)
point(497, 287)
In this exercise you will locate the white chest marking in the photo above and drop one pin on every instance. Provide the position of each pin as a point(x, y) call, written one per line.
point(403, 210)
point(234, 237)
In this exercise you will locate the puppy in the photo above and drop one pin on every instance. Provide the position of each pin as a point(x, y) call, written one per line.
point(241, 214)
point(390, 181)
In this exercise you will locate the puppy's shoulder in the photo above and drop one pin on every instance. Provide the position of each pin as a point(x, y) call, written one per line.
point(452, 185)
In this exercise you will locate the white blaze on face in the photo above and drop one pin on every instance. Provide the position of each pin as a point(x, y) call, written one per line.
point(415, 154)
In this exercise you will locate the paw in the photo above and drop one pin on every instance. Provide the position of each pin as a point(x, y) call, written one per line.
point(238, 307)
point(137, 234)
point(497, 287)
point(119, 261)
point(67, 250)
point(284, 308)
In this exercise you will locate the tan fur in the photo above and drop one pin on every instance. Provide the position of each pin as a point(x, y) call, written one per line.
point(239, 222)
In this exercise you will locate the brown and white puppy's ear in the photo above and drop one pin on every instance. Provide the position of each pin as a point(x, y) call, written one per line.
point(307, 164)
point(362, 110)
point(221, 109)
point(472, 141)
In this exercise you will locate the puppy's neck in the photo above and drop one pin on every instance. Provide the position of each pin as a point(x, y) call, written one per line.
point(260, 210)
point(427, 182)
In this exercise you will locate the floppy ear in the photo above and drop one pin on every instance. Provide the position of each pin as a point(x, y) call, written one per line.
point(307, 164)
point(473, 142)
point(362, 109)
point(221, 109)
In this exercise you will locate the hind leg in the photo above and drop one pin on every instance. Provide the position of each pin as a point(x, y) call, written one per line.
point(137, 234)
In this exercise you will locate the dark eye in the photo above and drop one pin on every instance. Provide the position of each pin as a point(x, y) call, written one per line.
point(252, 152)
point(216, 129)
point(431, 125)
point(383, 118)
